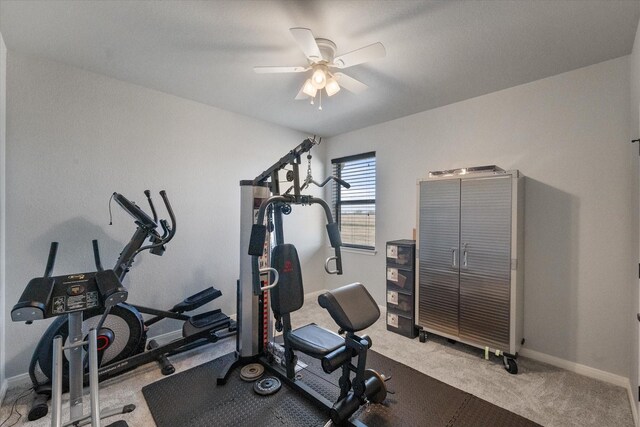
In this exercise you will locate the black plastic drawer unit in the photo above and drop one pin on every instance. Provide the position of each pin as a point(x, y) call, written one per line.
point(401, 275)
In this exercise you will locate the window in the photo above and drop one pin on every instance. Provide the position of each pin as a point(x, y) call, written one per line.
point(355, 207)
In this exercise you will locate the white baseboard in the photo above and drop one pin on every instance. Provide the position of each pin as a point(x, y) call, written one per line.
point(634, 404)
point(20, 381)
point(587, 371)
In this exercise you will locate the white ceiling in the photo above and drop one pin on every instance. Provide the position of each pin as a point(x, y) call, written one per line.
point(438, 52)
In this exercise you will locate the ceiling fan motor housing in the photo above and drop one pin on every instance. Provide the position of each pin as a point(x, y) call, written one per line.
point(327, 50)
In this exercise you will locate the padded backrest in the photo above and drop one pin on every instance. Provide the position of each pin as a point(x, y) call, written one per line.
point(288, 295)
point(351, 307)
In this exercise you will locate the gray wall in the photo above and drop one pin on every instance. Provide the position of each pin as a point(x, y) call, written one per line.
point(569, 135)
point(3, 115)
point(74, 137)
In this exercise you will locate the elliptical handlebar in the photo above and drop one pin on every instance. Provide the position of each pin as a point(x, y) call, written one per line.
point(51, 260)
point(145, 221)
point(147, 228)
point(153, 209)
point(172, 229)
point(159, 241)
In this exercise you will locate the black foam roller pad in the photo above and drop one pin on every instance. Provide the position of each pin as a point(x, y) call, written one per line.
point(334, 235)
point(258, 235)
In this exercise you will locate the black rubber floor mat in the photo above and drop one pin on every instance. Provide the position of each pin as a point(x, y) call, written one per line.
point(192, 399)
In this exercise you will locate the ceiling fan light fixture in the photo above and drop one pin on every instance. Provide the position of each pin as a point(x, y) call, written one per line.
point(321, 60)
point(319, 78)
point(309, 89)
point(332, 87)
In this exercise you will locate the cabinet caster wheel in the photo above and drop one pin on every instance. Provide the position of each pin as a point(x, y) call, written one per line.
point(510, 365)
point(422, 336)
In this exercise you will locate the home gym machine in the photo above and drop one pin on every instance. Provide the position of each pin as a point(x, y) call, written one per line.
point(70, 296)
point(263, 253)
point(122, 330)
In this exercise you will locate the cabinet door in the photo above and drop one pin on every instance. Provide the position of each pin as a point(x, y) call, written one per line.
point(439, 228)
point(485, 260)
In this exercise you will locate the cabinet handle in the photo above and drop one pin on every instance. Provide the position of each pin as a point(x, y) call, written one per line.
point(465, 263)
point(453, 258)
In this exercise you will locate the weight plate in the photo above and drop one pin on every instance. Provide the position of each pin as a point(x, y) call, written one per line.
point(267, 386)
point(377, 383)
point(251, 372)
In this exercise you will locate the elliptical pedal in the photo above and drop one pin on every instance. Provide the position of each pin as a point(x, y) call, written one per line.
point(213, 320)
point(197, 300)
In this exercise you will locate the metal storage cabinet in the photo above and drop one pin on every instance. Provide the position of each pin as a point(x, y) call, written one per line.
point(469, 256)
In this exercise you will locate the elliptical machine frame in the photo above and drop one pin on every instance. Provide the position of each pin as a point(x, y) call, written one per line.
point(116, 357)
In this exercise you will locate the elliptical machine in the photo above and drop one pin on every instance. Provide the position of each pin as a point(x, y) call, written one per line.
point(122, 331)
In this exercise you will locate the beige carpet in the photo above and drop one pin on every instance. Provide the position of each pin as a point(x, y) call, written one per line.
point(544, 394)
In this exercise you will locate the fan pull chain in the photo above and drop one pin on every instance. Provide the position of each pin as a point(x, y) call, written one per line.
point(320, 107)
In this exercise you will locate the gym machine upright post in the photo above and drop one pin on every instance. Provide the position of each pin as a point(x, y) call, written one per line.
point(262, 199)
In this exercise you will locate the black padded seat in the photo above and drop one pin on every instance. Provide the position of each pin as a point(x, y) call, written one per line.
point(315, 341)
point(351, 306)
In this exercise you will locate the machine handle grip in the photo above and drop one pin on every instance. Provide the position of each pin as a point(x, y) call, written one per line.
point(342, 182)
point(153, 208)
point(275, 281)
point(326, 265)
point(172, 216)
point(256, 242)
point(96, 255)
point(165, 228)
point(53, 250)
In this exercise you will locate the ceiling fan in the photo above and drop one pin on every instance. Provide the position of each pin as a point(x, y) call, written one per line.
point(321, 54)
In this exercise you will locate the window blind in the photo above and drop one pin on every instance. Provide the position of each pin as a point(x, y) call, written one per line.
point(355, 208)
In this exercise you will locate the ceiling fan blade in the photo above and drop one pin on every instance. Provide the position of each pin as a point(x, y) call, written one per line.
point(358, 56)
point(307, 42)
point(263, 70)
point(350, 84)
